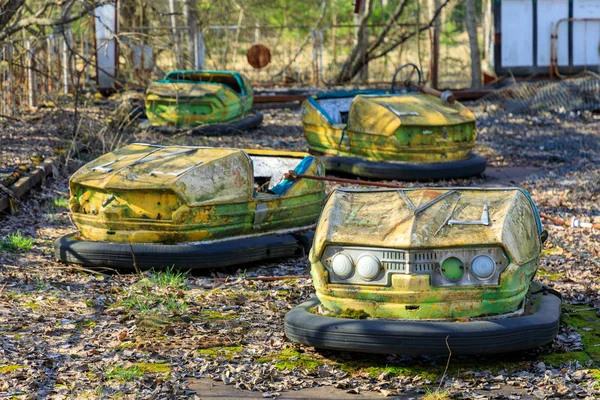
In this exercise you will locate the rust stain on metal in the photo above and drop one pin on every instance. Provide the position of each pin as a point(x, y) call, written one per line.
point(411, 246)
point(166, 194)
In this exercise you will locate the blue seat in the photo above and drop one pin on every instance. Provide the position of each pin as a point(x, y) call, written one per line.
point(301, 168)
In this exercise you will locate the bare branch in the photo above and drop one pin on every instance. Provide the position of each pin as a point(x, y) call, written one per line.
point(38, 20)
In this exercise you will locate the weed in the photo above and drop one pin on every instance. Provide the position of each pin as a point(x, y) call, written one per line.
point(88, 324)
point(124, 374)
point(169, 278)
point(60, 202)
point(175, 305)
point(436, 394)
point(137, 302)
point(16, 242)
point(40, 284)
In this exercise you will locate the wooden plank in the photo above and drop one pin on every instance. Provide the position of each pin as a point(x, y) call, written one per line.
point(23, 185)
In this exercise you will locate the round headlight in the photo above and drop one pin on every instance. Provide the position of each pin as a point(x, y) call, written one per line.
point(368, 267)
point(453, 268)
point(342, 265)
point(482, 267)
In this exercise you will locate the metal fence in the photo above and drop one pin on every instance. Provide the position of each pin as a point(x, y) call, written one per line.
point(38, 69)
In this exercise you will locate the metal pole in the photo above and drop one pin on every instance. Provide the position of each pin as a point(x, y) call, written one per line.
point(30, 88)
point(9, 72)
point(201, 51)
point(49, 65)
point(65, 64)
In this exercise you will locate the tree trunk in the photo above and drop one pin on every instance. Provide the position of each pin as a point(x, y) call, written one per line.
point(361, 42)
point(433, 5)
point(474, 46)
point(488, 35)
point(189, 16)
point(175, 35)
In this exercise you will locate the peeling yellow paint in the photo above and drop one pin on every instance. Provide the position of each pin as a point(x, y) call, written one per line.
point(166, 194)
point(413, 127)
point(428, 220)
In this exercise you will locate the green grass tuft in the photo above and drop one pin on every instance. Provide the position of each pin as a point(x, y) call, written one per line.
point(168, 278)
point(60, 202)
point(436, 394)
point(123, 374)
point(16, 242)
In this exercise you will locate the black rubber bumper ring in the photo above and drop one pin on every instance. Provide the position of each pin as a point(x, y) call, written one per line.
point(426, 337)
point(181, 256)
point(405, 171)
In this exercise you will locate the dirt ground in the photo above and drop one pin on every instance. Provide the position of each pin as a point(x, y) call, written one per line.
point(68, 332)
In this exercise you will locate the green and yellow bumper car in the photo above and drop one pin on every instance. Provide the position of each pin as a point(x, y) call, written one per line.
point(191, 207)
point(404, 135)
point(207, 102)
point(426, 266)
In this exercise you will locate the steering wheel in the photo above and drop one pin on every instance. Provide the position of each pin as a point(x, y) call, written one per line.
point(414, 66)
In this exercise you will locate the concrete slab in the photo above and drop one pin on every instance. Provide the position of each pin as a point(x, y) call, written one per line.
point(207, 389)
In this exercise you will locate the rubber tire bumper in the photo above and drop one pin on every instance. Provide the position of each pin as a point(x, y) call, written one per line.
point(405, 171)
point(244, 124)
point(192, 256)
point(426, 337)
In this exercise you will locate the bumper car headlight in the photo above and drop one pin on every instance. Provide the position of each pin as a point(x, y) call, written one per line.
point(368, 267)
point(482, 267)
point(342, 265)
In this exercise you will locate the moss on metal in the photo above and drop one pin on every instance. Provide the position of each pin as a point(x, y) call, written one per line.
point(384, 219)
point(412, 127)
point(195, 98)
point(153, 194)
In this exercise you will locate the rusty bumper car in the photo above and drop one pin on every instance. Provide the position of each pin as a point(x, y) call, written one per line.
point(427, 271)
point(190, 207)
point(205, 102)
point(407, 134)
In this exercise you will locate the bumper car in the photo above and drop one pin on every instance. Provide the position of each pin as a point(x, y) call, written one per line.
point(407, 134)
point(206, 102)
point(151, 206)
point(425, 271)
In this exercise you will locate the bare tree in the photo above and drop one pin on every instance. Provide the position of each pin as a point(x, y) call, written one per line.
point(433, 5)
point(13, 19)
point(384, 43)
point(473, 44)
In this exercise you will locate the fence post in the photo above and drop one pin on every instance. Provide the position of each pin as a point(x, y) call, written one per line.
point(65, 63)
point(200, 51)
point(10, 77)
point(30, 76)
